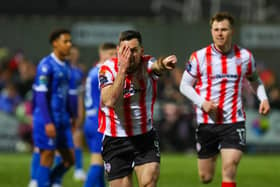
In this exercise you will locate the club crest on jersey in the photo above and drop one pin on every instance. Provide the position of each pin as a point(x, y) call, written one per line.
point(107, 167)
point(128, 92)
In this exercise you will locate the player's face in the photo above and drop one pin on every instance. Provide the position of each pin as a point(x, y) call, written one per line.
point(222, 34)
point(136, 53)
point(62, 45)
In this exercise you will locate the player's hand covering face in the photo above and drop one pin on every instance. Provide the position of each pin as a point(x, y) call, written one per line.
point(136, 51)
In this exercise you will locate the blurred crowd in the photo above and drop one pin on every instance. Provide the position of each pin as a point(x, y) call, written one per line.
point(174, 115)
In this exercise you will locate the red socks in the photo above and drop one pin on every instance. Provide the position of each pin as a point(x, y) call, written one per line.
point(228, 184)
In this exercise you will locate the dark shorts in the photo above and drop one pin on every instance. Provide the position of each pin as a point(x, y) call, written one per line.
point(121, 154)
point(210, 138)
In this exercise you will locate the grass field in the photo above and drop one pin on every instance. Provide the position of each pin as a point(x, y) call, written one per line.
point(177, 170)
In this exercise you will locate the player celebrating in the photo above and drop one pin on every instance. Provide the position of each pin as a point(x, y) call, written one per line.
point(219, 70)
point(128, 93)
point(54, 94)
point(95, 175)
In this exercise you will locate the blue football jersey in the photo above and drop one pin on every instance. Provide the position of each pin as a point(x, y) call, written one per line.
point(53, 78)
point(78, 77)
point(92, 92)
point(92, 100)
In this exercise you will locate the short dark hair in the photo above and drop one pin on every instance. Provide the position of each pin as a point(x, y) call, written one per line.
point(107, 46)
point(130, 34)
point(56, 34)
point(220, 16)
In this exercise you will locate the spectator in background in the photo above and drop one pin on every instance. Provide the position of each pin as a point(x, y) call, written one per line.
point(26, 75)
point(9, 98)
point(176, 129)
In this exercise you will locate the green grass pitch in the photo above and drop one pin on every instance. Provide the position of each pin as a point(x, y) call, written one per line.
point(177, 170)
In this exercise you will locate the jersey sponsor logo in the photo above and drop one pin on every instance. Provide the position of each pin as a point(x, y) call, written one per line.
point(228, 77)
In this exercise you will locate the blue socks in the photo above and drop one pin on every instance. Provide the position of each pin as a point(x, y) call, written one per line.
point(35, 163)
point(95, 176)
point(78, 158)
point(43, 176)
point(57, 172)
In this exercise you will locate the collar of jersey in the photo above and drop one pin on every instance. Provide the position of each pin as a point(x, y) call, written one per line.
point(57, 60)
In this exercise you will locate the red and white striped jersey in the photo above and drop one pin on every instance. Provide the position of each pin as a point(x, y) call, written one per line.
point(219, 78)
point(133, 114)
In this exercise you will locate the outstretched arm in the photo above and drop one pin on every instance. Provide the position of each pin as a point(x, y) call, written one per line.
point(163, 64)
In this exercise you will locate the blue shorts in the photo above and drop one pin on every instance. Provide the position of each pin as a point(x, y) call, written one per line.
point(63, 138)
point(93, 137)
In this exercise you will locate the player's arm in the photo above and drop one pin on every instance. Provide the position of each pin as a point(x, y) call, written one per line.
point(164, 64)
point(40, 94)
point(186, 88)
point(259, 89)
point(110, 93)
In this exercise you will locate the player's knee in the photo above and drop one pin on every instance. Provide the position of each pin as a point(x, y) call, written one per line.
point(149, 180)
point(205, 178)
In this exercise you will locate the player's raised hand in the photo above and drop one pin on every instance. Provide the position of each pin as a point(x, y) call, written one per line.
point(124, 54)
point(169, 62)
point(50, 130)
point(264, 107)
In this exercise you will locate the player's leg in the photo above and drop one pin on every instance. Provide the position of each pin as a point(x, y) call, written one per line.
point(123, 182)
point(230, 161)
point(65, 148)
point(207, 147)
point(79, 173)
point(206, 169)
point(147, 174)
point(147, 161)
point(43, 171)
point(59, 170)
point(95, 176)
point(118, 155)
point(47, 147)
point(34, 166)
point(232, 146)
